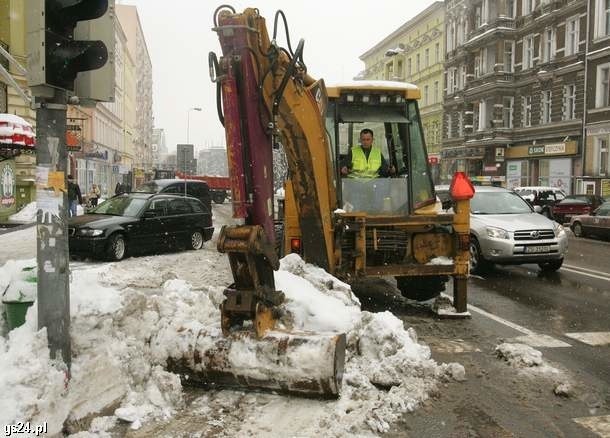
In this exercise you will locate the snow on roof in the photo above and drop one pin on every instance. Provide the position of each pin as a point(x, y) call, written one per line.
point(383, 85)
point(15, 130)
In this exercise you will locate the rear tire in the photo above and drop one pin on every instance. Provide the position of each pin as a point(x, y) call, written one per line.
point(577, 229)
point(551, 266)
point(219, 197)
point(478, 264)
point(421, 288)
point(117, 248)
point(196, 240)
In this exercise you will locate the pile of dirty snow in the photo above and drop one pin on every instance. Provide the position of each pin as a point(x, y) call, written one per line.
point(123, 335)
point(26, 215)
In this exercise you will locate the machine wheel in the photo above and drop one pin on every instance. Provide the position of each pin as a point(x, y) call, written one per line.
point(196, 240)
point(421, 288)
point(218, 197)
point(117, 248)
point(478, 264)
point(577, 229)
point(551, 266)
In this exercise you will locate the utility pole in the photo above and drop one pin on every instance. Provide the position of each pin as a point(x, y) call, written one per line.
point(69, 45)
point(52, 244)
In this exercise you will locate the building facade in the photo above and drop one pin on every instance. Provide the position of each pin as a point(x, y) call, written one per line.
point(159, 147)
point(213, 162)
point(515, 91)
point(136, 44)
point(414, 53)
point(596, 175)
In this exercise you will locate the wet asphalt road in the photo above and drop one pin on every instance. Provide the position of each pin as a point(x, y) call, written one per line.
point(509, 303)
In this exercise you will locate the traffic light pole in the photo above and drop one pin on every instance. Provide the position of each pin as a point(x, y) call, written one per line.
point(52, 231)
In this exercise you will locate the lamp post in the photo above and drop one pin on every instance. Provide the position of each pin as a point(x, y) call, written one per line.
point(188, 116)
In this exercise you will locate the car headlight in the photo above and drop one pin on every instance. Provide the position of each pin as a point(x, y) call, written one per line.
point(497, 233)
point(559, 230)
point(90, 232)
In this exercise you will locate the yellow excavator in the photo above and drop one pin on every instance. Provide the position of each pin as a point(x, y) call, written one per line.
point(353, 227)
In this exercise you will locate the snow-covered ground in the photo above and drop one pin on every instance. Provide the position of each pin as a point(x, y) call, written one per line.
point(128, 318)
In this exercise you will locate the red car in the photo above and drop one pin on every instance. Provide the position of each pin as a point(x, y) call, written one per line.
point(596, 224)
point(575, 205)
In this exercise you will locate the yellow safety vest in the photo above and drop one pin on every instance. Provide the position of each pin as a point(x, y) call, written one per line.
point(363, 168)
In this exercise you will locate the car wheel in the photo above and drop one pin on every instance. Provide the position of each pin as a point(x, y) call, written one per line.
point(421, 288)
point(577, 229)
point(218, 198)
point(196, 241)
point(478, 264)
point(551, 266)
point(117, 248)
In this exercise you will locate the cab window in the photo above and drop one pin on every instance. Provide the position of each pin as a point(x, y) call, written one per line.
point(179, 206)
point(421, 178)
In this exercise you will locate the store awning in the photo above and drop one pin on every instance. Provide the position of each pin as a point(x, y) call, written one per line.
point(16, 133)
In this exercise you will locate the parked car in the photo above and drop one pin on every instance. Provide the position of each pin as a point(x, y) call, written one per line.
point(544, 197)
point(195, 188)
point(595, 224)
point(574, 205)
point(506, 230)
point(139, 222)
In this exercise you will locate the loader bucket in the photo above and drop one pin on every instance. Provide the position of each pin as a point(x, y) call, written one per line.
point(303, 364)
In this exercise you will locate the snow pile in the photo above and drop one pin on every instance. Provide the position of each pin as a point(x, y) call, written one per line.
point(26, 215)
point(440, 261)
point(123, 334)
point(18, 281)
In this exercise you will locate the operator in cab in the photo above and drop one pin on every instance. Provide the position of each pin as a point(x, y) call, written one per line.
point(366, 160)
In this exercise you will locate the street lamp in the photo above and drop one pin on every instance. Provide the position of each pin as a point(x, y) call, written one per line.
point(188, 115)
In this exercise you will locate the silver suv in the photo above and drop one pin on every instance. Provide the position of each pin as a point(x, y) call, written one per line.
point(505, 230)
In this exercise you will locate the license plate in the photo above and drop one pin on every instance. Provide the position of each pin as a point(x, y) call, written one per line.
point(536, 249)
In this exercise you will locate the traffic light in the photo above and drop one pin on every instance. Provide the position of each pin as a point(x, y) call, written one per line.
point(66, 39)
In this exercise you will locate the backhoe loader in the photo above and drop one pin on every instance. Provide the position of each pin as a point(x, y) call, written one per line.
point(351, 227)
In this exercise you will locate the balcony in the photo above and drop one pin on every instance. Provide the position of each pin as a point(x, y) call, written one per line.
point(491, 31)
point(490, 135)
point(491, 80)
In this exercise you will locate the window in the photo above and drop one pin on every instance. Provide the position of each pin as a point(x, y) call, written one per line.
point(548, 45)
point(460, 124)
point(528, 52)
point(409, 67)
point(449, 126)
point(602, 18)
point(509, 59)
point(482, 115)
point(463, 76)
point(545, 104)
point(528, 7)
point(511, 8)
point(477, 16)
point(425, 95)
point(477, 66)
point(179, 206)
point(602, 90)
point(569, 102)
point(572, 36)
point(417, 64)
point(508, 104)
point(437, 52)
point(427, 58)
point(436, 92)
point(526, 111)
point(602, 146)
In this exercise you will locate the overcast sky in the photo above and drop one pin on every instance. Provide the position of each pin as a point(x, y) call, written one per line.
point(179, 38)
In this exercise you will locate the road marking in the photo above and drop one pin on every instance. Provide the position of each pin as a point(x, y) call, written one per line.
point(530, 337)
point(591, 338)
point(599, 425)
point(581, 271)
point(587, 270)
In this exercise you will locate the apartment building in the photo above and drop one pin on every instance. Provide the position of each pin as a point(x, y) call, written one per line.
point(596, 175)
point(515, 91)
point(415, 53)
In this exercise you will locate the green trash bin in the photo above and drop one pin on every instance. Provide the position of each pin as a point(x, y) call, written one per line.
point(15, 312)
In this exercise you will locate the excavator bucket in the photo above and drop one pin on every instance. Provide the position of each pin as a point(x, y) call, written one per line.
point(305, 364)
point(248, 351)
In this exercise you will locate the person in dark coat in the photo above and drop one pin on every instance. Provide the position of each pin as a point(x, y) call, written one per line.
point(74, 196)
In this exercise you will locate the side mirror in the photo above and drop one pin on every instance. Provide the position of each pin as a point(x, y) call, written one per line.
point(537, 209)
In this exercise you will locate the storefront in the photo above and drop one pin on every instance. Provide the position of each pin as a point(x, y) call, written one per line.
point(549, 164)
point(8, 189)
point(596, 179)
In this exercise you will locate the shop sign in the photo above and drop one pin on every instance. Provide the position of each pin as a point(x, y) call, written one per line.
point(490, 168)
point(549, 149)
point(432, 160)
point(499, 154)
point(7, 184)
point(98, 154)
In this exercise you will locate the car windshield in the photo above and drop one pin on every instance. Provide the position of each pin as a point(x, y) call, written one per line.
point(498, 203)
point(149, 187)
point(120, 206)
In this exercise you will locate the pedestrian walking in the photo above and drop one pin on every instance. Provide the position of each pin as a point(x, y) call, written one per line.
point(94, 195)
point(74, 196)
point(119, 189)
